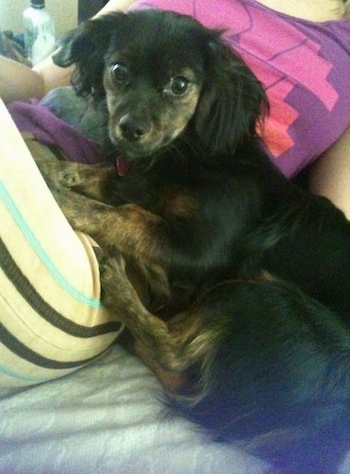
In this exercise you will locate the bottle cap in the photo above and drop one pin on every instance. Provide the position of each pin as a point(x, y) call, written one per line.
point(37, 3)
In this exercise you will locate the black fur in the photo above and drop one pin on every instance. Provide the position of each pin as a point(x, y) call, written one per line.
point(267, 263)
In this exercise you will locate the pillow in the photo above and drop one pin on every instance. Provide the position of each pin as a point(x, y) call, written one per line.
point(51, 318)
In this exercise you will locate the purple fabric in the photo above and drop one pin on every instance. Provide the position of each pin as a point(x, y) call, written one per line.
point(50, 130)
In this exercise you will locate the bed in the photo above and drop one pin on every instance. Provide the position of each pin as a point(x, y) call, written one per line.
point(106, 418)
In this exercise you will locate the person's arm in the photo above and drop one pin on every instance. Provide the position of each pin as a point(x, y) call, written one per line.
point(19, 82)
point(330, 174)
point(114, 5)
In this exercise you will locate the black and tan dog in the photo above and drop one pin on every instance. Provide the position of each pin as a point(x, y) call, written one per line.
point(262, 267)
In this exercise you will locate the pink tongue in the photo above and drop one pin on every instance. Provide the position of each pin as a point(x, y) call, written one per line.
point(122, 166)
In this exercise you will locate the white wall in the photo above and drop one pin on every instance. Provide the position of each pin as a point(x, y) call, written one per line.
point(64, 13)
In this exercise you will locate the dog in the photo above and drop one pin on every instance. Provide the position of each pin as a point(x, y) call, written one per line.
point(260, 267)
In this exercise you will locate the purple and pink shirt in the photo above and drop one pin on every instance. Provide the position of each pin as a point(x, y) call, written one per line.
point(304, 67)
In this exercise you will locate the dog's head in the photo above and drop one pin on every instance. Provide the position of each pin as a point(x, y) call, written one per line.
point(160, 72)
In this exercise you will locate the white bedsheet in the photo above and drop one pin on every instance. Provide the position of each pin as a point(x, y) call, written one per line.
point(106, 418)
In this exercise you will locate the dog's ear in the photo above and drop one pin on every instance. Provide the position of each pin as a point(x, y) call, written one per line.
point(86, 47)
point(232, 100)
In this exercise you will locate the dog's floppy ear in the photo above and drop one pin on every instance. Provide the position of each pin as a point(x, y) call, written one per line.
point(86, 47)
point(232, 100)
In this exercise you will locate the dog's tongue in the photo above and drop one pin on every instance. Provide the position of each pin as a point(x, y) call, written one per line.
point(122, 166)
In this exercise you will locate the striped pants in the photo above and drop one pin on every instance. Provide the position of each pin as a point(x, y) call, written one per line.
point(51, 319)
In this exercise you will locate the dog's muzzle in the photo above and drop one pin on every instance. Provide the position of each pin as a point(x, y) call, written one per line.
point(132, 128)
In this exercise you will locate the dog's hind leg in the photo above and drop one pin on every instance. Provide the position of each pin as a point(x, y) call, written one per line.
point(149, 331)
point(154, 341)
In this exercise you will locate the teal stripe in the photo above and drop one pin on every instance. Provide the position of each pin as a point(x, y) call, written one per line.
point(17, 375)
point(45, 259)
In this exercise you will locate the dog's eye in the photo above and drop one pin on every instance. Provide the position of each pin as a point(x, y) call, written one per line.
point(179, 85)
point(120, 73)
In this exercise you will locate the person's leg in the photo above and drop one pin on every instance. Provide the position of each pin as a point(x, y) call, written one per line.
point(51, 319)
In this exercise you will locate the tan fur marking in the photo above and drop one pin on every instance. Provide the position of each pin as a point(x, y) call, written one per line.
point(179, 204)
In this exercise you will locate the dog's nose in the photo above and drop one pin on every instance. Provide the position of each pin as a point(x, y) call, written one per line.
point(132, 128)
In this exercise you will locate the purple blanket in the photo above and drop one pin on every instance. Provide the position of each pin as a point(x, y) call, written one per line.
point(50, 130)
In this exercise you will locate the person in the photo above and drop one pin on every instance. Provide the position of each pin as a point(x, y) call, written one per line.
point(299, 50)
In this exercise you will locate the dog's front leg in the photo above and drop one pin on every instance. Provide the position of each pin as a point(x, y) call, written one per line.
point(128, 229)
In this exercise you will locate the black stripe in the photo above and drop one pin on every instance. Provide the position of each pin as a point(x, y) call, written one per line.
point(34, 299)
point(16, 346)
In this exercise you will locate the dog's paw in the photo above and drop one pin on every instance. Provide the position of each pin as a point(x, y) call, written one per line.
point(92, 181)
point(112, 268)
point(69, 178)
